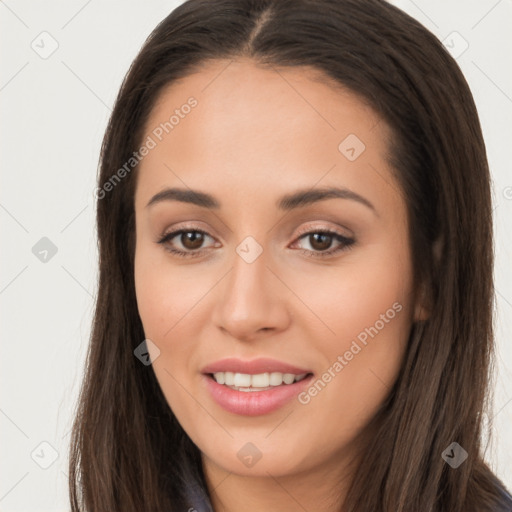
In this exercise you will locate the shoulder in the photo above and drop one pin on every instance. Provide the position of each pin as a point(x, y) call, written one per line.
point(505, 503)
point(490, 495)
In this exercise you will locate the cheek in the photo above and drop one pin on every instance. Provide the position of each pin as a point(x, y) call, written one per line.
point(173, 306)
point(352, 297)
point(165, 300)
point(165, 295)
point(370, 315)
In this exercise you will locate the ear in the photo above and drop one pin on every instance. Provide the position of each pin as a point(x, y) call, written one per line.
point(423, 306)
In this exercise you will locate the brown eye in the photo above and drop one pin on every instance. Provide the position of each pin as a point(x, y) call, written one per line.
point(192, 239)
point(320, 241)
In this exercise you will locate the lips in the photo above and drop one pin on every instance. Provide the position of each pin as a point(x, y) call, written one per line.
point(248, 393)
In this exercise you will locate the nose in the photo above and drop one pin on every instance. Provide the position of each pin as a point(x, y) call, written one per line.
point(252, 300)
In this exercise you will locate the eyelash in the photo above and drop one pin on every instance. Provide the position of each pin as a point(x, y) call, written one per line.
point(347, 243)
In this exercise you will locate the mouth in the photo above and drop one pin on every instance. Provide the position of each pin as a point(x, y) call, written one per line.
point(254, 387)
point(255, 394)
point(246, 382)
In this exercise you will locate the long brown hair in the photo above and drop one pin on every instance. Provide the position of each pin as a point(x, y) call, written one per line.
point(128, 452)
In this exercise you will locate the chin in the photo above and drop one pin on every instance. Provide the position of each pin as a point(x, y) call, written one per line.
point(248, 460)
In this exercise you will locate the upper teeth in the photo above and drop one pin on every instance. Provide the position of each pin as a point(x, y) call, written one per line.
point(260, 380)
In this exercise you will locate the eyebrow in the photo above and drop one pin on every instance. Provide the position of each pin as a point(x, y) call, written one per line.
point(297, 199)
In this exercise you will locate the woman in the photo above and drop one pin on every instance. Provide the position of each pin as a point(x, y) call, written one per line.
point(295, 290)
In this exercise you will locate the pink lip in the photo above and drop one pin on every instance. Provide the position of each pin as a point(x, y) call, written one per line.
point(253, 367)
point(254, 403)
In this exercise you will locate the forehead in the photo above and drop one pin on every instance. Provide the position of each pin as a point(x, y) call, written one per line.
point(252, 126)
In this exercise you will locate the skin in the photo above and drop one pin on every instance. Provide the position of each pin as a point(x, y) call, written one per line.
point(255, 135)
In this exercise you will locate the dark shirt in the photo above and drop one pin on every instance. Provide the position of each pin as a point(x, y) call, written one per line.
point(196, 497)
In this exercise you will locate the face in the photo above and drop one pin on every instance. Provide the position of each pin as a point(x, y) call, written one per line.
point(291, 281)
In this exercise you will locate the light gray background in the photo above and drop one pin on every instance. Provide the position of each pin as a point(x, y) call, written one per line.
point(53, 114)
